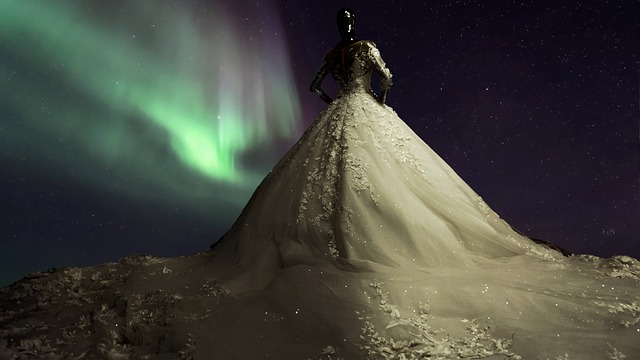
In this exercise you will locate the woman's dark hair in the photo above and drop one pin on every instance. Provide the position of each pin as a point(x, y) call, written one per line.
point(345, 14)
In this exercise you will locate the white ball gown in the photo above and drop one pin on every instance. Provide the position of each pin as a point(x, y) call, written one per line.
point(360, 243)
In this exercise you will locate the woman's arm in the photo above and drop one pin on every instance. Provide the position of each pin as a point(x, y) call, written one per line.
point(384, 73)
point(316, 84)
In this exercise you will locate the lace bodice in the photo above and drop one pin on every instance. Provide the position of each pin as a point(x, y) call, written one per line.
point(351, 66)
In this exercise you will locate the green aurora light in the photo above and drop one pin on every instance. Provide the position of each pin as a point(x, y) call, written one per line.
point(153, 96)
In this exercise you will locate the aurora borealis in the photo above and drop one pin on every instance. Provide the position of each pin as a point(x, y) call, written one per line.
point(198, 89)
point(143, 127)
point(157, 104)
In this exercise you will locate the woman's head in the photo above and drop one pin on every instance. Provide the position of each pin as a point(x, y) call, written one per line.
point(346, 19)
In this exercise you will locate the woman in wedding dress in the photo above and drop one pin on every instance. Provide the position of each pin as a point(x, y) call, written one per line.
point(361, 210)
point(362, 190)
point(360, 243)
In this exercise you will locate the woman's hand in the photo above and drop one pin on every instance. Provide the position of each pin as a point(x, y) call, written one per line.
point(382, 98)
point(325, 97)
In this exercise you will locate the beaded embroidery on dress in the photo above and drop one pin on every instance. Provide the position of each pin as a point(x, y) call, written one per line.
point(362, 243)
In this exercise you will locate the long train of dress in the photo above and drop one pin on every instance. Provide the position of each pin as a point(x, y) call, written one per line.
point(361, 243)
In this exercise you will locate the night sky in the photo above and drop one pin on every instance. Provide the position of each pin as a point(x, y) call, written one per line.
point(143, 127)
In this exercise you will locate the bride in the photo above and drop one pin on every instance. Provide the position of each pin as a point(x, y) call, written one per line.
point(360, 243)
point(362, 211)
point(361, 190)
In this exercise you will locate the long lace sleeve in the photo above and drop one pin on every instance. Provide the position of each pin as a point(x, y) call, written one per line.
point(316, 83)
point(381, 68)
